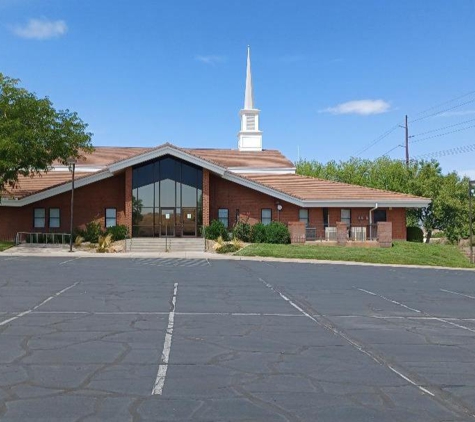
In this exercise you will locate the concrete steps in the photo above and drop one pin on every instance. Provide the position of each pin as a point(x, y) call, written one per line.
point(161, 244)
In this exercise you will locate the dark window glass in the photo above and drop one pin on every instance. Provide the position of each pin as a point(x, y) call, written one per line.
point(39, 218)
point(199, 175)
point(379, 215)
point(223, 216)
point(145, 194)
point(142, 176)
point(189, 175)
point(325, 217)
point(189, 196)
point(111, 217)
point(167, 169)
point(167, 193)
point(54, 218)
point(266, 216)
point(178, 194)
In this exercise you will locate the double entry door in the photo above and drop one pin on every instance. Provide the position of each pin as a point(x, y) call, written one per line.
point(176, 222)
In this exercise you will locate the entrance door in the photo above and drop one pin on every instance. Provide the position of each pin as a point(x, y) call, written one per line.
point(167, 222)
point(189, 221)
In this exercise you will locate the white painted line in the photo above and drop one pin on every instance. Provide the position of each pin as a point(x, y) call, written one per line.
point(11, 259)
point(244, 314)
point(29, 311)
point(456, 293)
point(389, 300)
point(69, 260)
point(162, 369)
point(420, 387)
point(355, 344)
point(463, 327)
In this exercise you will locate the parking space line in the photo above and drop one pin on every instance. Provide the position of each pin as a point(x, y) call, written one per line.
point(29, 311)
point(457, 293)
point(162, 369)
point(446, 321)
point(69, 260)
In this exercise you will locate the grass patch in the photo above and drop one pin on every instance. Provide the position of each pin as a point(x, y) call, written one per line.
point(5, 245)
point(407, 253)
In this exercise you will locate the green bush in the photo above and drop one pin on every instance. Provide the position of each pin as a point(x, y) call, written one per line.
point(258, 233)
point(277, 233)
point(216, 229)
point(119, 232)
point(242, 231)
point(227, 248)
point(414, 234)
point(438, 235)
point(92, 232)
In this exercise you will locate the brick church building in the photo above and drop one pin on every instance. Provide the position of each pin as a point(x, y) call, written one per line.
point(173, 191)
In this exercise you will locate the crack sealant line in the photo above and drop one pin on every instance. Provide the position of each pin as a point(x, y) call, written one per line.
point(428, 316)
point(29, 311)
point(355, 344)
point(162, 369)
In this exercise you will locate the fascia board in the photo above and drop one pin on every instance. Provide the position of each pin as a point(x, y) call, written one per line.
point(150, 155)
point(57, 190)
point(364, 203)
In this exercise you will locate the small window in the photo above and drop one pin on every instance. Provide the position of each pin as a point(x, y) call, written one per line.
point(266, 216)
point(39, 217)
point(346, 217)
point(111, 217)
point(379, 215)
point(54, 218)
point(303, 216)
point(223, 216)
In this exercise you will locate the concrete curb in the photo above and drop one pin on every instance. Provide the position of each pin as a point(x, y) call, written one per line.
point(56, 252)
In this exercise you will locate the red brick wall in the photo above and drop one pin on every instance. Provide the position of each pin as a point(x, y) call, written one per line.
point(90, 203)
point(206, 197)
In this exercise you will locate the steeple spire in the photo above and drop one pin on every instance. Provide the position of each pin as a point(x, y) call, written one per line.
point(250, 137)
point(249, 95)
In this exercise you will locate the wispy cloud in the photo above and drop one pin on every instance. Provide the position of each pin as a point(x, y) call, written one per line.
point(361, 107)
point(211, 59)
point(457, 113)
point(293, 58)
point(41, 29)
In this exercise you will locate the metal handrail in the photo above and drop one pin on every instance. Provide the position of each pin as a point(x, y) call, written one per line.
point(42, 238)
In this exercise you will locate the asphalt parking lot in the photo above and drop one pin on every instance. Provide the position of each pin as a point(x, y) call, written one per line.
point(100, 339)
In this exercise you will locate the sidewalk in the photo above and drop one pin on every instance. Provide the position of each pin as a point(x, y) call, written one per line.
point(63, 251)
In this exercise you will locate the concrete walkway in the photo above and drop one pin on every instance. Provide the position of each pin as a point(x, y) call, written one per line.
point(62, 251)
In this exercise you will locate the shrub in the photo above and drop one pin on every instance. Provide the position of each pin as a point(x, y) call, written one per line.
point(78, 241)
point(104, 243)
point(414, 234)
point(227, 248)
point(216, 229)
point(242, 231)
point(277, 233)
point(438, 235)
point(119, 232)
point(258, 233)
point(92, 232)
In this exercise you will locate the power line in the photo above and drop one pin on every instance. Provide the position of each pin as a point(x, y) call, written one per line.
point(453, 151)
point(445, 127)
point(376, 140)
point(392, 149)
point(445, 102)
point(442, 134)
point(443, 111)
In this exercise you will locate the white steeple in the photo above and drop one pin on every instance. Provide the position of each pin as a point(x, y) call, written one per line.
point(250, 137)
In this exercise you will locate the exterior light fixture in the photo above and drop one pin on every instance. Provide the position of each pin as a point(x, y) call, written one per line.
point(72, 162)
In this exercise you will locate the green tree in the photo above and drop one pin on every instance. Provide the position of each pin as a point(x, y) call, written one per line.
point(33, 134)
point(448, 210)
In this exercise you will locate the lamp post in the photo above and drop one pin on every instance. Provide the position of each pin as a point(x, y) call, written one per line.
point(72, 162)
point(471, 187)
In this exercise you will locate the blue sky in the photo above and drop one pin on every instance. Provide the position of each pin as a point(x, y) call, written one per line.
point(329, 76)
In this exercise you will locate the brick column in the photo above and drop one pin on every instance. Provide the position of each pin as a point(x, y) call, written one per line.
point(297, 231)
point(341, 233)
point(385, 234)
point(205, 197)
point(128, 199)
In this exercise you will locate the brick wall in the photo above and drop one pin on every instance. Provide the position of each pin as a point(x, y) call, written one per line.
point(206, 214)
point(90, 203)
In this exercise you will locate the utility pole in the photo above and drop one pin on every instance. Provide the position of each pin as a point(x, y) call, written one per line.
point(407, 143)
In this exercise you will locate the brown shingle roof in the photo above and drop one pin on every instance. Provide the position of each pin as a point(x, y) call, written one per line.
point(313, 189)
point(29, 185)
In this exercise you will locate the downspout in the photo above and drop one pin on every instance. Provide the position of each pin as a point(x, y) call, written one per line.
point(371, 221)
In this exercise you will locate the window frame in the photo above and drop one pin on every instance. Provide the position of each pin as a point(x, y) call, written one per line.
point(346, 220)
point(37, 218)
point(58, 218)
point(305, 220)
point(223, 219)
point(106, 218)
point(266, 218)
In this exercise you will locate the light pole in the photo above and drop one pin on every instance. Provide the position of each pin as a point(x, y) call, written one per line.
point(72, 161)
point(471, 187)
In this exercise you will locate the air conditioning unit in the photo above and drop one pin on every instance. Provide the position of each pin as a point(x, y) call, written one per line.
point(330, 233)
point(358, 234)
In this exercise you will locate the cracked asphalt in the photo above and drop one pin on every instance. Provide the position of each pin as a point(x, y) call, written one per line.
point(83, 339)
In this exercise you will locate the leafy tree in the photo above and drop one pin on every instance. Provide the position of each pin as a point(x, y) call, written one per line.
point(33, 134)
point(448, 210)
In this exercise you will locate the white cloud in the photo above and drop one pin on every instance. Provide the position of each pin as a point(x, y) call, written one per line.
point(41, 29)
point(361, 107)
point(457, 113)
point(212, 60)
